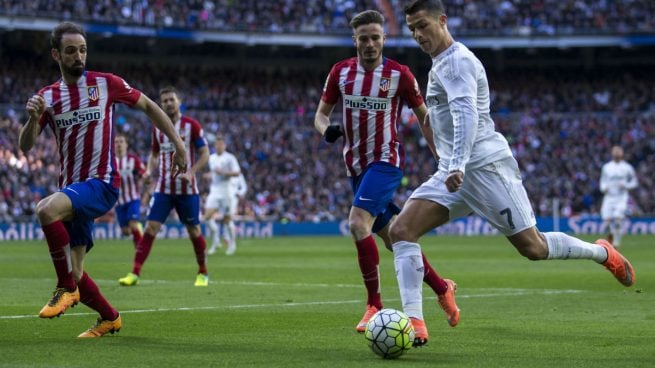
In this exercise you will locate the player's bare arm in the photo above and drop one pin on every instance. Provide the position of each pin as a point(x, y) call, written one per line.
point(322, 117)
point(30, 131)
point(163, 123)
point(203, 158)
point(423, 117)
point(322, 123)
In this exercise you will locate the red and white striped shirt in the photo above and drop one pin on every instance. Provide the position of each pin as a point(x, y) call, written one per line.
point(131, 169)
point(81, 116)
point(372, 104)
point(192, 135)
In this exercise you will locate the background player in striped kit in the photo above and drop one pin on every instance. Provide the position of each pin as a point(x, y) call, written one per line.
point(374, 90)
point(128, 208)
point(79, 110)
point(616, 179)
point(174, 191)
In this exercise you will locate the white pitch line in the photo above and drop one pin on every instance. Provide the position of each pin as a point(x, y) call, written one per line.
point(512, 292)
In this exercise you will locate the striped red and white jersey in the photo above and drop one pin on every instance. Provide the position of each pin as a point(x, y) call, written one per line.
point(81, 116)
point(131, 169)
point(372, 103)
point(191, 133)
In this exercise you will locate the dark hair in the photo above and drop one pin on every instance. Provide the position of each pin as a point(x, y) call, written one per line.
point(367, 17)
point(431, 6)
point(168, 89)
point(61, 29)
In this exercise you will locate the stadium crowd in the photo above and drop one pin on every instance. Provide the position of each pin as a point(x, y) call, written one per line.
point(560, 125)
point(484, 17)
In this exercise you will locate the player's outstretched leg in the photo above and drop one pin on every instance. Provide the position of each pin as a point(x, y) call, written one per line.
point(103, 326)
point(617, 264)
point(61, 300)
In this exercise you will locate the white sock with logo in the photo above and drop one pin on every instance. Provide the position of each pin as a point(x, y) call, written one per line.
point(562, 246)
point(409, 272)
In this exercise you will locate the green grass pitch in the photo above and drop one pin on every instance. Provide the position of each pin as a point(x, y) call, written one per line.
point(294, 302)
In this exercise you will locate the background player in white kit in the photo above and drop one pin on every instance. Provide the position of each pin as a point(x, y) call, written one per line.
point(616, 179)
point(224, 169)
point(476, 173)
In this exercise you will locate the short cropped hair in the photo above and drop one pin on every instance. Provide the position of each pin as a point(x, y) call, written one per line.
point(431, 6)
point(61, 29)
point(367, 17)
point(168, 89)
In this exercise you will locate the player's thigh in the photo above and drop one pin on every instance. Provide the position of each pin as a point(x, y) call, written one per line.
point(188, 208)
point(613, 208)
point(54, 207)
point(160, 207)
point(92, 198)
point(375, 187)
point(417, 217)
point(496, 193)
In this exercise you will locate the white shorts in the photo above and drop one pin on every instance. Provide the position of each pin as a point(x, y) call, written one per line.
point(613, 208)
point(494, 192)
point(223, 204)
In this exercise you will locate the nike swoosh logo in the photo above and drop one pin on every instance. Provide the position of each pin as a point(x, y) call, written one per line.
point(364, 199)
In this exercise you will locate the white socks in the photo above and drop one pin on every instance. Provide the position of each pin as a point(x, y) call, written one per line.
point(409, 272)
point(562, 246)
point(213, 229)
point(616, 229)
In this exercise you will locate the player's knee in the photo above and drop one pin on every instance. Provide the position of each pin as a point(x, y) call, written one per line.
point(153, 227)
point(358, 229)
point(46, 212)
point(400, 231)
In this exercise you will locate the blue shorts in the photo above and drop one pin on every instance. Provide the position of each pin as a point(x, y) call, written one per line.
point(90, 199)
point(187, 207)
point(128, 212)
point(374, 189)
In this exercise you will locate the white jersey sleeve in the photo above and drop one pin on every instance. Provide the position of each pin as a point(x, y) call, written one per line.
point(458, 104)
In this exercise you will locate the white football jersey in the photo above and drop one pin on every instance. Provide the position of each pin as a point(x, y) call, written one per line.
point(617, 178)
point(458, 105)
point(224, 162)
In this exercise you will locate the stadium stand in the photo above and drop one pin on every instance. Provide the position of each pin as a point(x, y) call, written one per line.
point(487, 17)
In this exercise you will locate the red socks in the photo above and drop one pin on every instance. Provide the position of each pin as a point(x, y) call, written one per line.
point(91, 296)
point(136, 237)
point(199, 247)
point(58, 243)
point(432, 278)
point(369, 260)
point(142, 251)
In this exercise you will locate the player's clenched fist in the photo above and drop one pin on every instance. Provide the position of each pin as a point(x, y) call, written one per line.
point(35, 106)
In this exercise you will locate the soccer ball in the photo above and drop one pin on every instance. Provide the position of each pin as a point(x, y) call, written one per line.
point(389, 333)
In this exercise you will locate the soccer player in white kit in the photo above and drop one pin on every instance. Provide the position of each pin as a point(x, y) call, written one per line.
point(616, 179)
point(222, 199)
point(476, 174)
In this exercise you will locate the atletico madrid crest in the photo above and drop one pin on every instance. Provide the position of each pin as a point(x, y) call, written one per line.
point(94, 93)
point(385, 84)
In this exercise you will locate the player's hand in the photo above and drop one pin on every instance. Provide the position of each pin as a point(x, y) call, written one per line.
point(179, 161)
point(35, 107)
point(332, 133)
point(454, 181)
point(186, 176)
